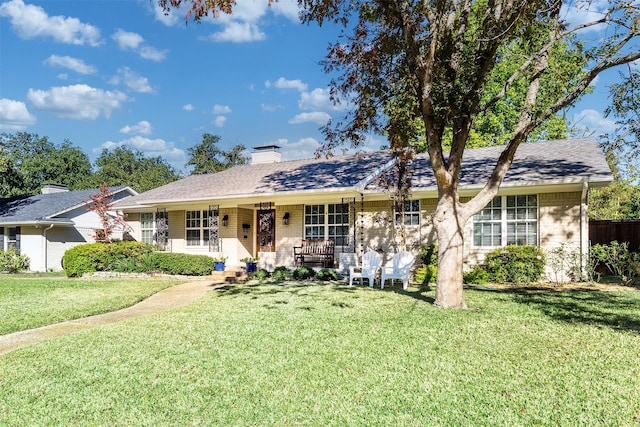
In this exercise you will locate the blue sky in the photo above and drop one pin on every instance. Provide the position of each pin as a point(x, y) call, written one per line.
point(106, 73)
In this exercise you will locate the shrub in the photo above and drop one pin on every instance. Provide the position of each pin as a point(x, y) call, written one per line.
point(12, 262)
point(303, 273)
point(282, 273)
point(565, 263)
point(102, 257)
point(516, 264)
point(428, 272)
point(327, 274)
point(618, 259)
point(478, 275)
point(132, 257)
point(182, 264)
point(260, 274)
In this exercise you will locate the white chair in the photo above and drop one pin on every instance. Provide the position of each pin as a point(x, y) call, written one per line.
point(371, 262)
point(400, 268)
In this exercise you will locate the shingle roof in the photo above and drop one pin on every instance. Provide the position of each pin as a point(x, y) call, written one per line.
point(44, 207)
point(574, 159)
point(567, 160)
point(333, 174)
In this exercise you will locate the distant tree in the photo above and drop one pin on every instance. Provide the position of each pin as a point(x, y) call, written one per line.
point(439, 56)
point(10, 180)
point(207, 157)
point(619, 201)
point(38, 161)
point(123, 166)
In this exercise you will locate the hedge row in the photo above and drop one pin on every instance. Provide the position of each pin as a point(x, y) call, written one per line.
point(132, 257)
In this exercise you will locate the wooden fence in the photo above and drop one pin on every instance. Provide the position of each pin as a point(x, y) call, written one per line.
point(605, 232)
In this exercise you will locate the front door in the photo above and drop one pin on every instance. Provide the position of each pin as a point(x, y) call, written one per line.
point(266, 230)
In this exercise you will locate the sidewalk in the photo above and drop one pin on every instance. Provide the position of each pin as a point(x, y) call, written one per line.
point(166, 299)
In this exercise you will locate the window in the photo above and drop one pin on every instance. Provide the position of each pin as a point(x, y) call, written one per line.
point(147, 227)
point(411, 213)
point(197, 228)
point(507, 220)
point(327, 222)
point(12, 238)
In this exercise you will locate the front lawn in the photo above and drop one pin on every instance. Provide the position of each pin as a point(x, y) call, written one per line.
point(332, 355)
point(31, 300)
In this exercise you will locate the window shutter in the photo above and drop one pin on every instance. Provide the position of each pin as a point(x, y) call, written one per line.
point(1, 238)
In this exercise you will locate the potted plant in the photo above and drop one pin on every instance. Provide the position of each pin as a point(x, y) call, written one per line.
point(251, 263)
point(218, 263)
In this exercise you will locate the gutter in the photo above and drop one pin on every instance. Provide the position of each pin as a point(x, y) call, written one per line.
point(584, 224)
point(46, 246)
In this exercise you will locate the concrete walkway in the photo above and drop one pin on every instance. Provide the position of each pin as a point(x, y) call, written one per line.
point(166, 299)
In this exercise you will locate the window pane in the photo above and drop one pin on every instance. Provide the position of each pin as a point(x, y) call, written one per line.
point(193, 237)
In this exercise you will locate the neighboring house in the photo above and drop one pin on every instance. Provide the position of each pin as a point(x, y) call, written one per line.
point(44, 226)
point(267, 207)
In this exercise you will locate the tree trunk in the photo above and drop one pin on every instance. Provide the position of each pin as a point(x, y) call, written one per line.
point(449, 224)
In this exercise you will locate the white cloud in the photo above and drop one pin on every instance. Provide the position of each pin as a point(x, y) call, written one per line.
point(244, 25)
point(317, 117)
point(31, 21)
point(135, 42)
point(318, 100)
point(221, 109)
point(219, 121)
point(287, 8)
point(303, 148)
point(238, 32)
point(268, 108)
point(593, 122)
point(132, 80)
point(171, 18)
point(187, 107)
point(141, 128)
point(283, 83)
point(74, 64)
point(14, 115)
point(79, 102)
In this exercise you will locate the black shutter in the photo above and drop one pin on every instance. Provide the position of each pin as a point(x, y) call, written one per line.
point(1, 238)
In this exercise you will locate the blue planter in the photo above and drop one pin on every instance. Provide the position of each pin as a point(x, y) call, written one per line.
point(251, 267)
point(218, 266)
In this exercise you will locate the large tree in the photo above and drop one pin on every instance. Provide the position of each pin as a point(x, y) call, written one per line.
point(207, 157)
point(438, 57)
point(37, 161)
point(123, 166)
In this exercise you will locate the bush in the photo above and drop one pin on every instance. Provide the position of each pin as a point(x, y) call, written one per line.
point(282, 273)
point(478, 276)
point(516, 264)
point(303, 273)
point(261, 274)
point(618, 259)
point(132, 257)
point(428, 272)
point(327, 274)
point(12, 262)
point(182, 264)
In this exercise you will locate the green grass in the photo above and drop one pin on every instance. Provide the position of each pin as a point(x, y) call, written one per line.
point(331, 355)
point(31, 300)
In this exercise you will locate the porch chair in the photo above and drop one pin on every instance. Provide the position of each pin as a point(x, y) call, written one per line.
point(371, 262)
point(400, 268)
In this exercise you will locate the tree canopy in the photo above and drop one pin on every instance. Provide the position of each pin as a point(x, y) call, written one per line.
point(33, 161)
point(207, 157)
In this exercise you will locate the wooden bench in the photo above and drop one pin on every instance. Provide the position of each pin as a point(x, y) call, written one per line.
point(314, 250)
